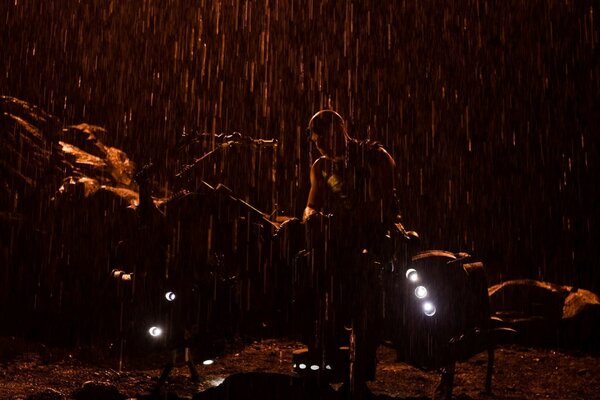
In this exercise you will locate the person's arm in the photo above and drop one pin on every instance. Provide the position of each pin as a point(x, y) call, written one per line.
point(315, 196)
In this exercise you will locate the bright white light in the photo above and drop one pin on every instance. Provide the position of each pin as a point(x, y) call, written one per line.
point(302, 366)
point(208, 362)
point(170, 296)
point(429, 309)
point(328, 367)
point(412, 276)
point(155, 331)
point(314, 367)
point(421, 292)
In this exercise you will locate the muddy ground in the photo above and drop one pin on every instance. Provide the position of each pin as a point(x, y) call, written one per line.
point(32, 371)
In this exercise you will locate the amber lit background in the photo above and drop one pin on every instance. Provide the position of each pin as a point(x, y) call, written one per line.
point(490, 109)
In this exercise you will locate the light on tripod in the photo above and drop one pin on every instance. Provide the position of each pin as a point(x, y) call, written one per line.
point(155, 331)
point(421, 292)
point(412, 275)
point(170, 296)
point(429, 309)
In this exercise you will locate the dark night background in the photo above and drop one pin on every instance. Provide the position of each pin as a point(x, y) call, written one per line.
point(490, 109)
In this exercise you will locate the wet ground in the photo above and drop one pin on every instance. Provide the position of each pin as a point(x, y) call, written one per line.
point(32, 371)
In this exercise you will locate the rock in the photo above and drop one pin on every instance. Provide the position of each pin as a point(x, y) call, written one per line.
point(31, 162)
point(548, 314)
point(158, 396)
point(47, 394)
point(529, 297)
point(93, 159)
point(579, 324)
point(91, 390)
point(66, 202)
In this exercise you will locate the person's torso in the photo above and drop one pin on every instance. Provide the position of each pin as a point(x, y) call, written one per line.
point(350, 182)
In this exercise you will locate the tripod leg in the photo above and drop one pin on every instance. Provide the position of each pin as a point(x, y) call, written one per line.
point(490, 370)
point(163, 377)
point(165, 373)
point(195, 377)
point(444, 388)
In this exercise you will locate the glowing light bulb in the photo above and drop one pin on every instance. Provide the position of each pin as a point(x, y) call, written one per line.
point(155, 331)
point(170, 296)
point(421, 292)
point(429, 309)
point(412, 275)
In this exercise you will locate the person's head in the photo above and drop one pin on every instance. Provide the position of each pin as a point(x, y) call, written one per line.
point(327, 130)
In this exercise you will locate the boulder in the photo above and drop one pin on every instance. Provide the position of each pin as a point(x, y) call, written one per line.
point(47, 394)
point(580, 316)
point(32, 165)
point(544, 313)
point(66, 201)
point(91, 158)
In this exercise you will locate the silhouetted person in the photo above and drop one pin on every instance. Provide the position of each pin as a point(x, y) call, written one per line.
point(348, 216)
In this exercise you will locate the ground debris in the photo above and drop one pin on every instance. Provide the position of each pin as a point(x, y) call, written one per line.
point(517, 375)
point(91, 390)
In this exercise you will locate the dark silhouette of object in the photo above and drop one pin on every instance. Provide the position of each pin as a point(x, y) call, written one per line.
point(442, 315)
point(349, 214)
point(547, 314)
point(439, 315)
point(266, 386)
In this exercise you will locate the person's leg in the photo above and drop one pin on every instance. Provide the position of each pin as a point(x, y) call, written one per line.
point(324, 339)
point(366, 323)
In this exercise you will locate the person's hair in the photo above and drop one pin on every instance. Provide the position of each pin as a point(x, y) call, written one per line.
point(322, 122)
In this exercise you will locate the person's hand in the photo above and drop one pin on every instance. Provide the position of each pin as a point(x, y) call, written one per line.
point(309, 214)
point(317, 218)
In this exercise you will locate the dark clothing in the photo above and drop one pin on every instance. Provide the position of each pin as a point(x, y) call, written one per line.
point(357, 218)
point(347, 254)
point(348, 180)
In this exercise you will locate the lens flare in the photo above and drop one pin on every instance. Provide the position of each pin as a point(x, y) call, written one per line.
point(429, 309)
point(421, 292)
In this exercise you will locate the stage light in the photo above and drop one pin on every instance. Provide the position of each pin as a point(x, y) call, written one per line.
point(170, 296)
point(314, 367)
point(421, 292)
point(208, 362)
point(302, 366)
point(429, 309)
point(412, 276)
point(155, 331)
